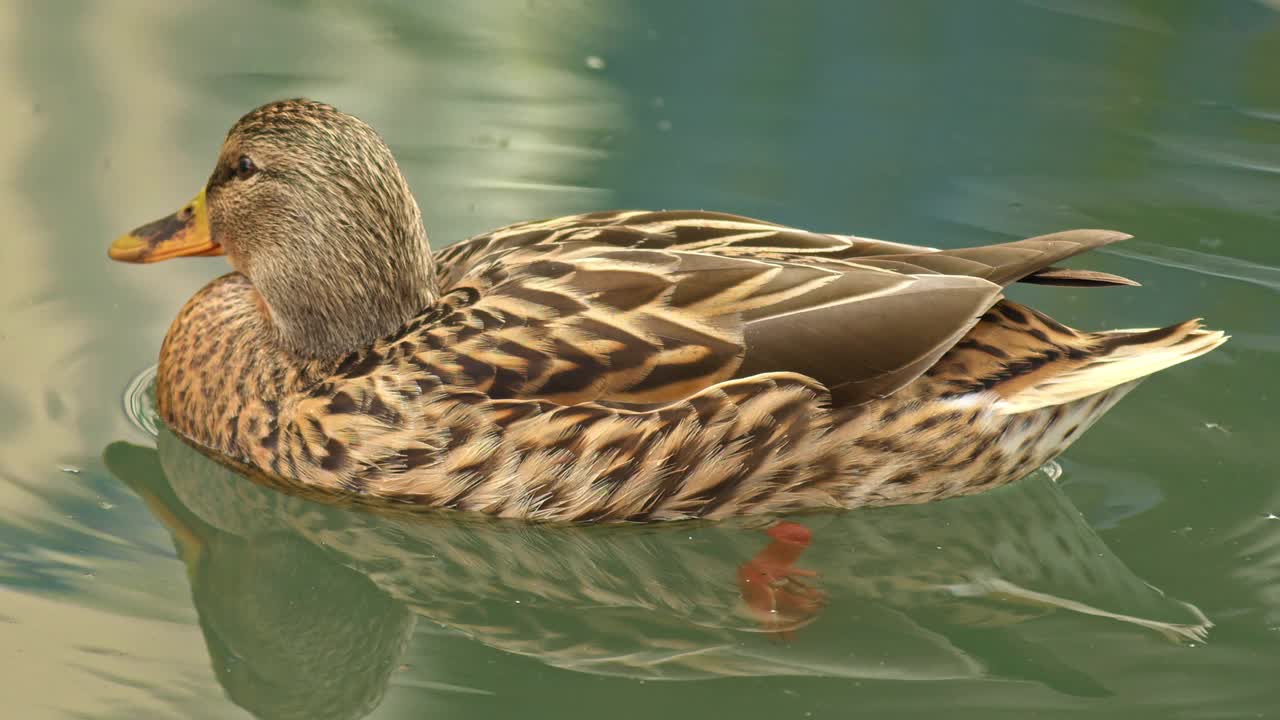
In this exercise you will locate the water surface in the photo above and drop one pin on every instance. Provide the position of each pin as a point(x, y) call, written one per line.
point(137, 579)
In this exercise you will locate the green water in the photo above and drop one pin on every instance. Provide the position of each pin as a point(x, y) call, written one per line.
point(138, 580)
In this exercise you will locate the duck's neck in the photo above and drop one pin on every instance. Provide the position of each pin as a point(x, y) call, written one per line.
point(325, 308)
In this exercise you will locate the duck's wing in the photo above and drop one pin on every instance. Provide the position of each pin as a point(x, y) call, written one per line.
point(588, 317)
point(578, 323)
point(736, 236)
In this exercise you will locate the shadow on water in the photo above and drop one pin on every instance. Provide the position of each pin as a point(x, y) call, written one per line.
point(307, 609)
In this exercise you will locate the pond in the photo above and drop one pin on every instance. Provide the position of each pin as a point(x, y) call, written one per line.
point(1137, 577)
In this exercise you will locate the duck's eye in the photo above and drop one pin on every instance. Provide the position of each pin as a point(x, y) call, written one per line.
point(245, 167)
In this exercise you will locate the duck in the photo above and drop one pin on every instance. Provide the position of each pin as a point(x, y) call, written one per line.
point(617, 366)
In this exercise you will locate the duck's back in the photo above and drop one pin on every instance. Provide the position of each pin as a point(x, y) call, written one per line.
point(686, 299)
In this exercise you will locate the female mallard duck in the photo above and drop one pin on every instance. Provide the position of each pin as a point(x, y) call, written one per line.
point(611, 366)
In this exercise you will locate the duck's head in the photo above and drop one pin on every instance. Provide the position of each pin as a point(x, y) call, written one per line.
point(309, 204)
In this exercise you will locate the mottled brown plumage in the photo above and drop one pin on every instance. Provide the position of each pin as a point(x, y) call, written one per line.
point(612, 366)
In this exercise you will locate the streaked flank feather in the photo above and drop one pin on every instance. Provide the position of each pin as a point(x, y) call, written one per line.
point(614, 366)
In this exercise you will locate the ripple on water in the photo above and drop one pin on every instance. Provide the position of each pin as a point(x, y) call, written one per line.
point(140, 402)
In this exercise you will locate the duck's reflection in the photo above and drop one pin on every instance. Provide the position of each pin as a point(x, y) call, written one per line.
point(307, 608)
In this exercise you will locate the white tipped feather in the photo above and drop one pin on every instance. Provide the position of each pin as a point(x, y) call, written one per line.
point(1125, 357)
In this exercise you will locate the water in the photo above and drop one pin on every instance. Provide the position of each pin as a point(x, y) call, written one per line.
point(137, 579)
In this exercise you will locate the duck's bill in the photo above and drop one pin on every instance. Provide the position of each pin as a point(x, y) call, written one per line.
point(182, 234)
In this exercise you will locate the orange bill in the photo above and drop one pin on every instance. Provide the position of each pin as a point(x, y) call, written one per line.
point(182, 234)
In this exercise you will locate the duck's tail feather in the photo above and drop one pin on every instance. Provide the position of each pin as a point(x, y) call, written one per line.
point(1117, 357)
point(1071, 277)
